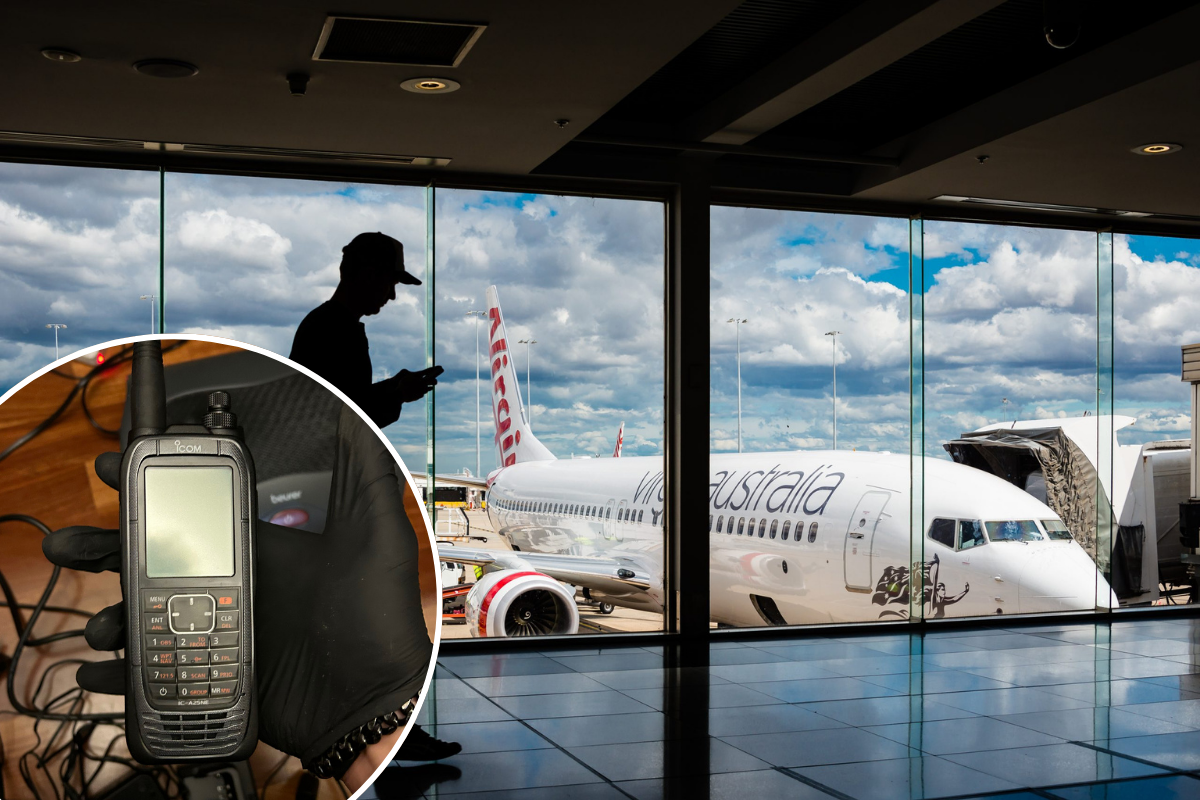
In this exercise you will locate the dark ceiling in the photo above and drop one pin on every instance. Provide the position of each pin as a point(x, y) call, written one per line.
point(871, 104)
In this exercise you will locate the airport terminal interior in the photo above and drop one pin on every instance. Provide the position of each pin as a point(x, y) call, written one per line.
point(821, 405)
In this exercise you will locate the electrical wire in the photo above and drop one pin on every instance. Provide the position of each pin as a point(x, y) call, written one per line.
point(262, 792)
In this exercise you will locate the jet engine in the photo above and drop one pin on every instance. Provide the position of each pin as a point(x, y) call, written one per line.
point(514, 602)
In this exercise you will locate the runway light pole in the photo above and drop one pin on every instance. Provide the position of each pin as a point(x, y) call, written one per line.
point(834, 334)
point(56, 326)
point(477, 315)
point(737, 327)
point(528, 389)
point(151, 298)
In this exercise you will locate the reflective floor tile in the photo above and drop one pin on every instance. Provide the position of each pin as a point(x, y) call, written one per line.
point(1155, 647)
point(449, 711)
point(498, 666)
point(780, 671)
point(451, 689)
point(921, 777)
point(1140, 667)
point(766, 719)
point(611, 661)
point(1181, 712)
point(888, 645)
point(1009, 701)
point(883, 710)
point(744, 655)
point(651, 678)
point(1040, 674)
point(630, 762)
point(943, 645)
point(824, 689)
point(607, 729)
point(1007, 641)
point(1123, 692)
point(967, 735)
point(718, 696)
point(535, 684)
point(490, 737)
point(1178, 750)
point(813, 748)
point(980, 658)
point(882, 665)
point(1053, 764)
point(517, 769)
point(1175, 787)
point(1190, 683)
point(937, 682)
point(763, 784)
point(570, 705)
point(1092, 724)
point(586, 791)
point(817, 652)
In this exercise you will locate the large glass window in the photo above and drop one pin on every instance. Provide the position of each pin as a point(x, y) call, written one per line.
point(549, 322)
point(809, 416)
point(1155, 311)
point(78, 249)
point(248, 258)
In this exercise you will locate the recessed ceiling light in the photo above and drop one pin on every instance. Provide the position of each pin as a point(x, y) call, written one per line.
point(430, 85)
point(59, 54)
point(166, 68)
point(1157, 148)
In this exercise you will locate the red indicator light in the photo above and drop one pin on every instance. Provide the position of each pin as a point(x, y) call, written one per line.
point(100, 358)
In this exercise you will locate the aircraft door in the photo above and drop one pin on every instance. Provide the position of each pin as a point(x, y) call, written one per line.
point(618, 530)
point(860, 540)
point(608, 524)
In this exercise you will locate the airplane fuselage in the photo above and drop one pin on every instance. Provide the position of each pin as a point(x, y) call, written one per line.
point(807, 537)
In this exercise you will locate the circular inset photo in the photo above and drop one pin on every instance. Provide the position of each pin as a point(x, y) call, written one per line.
point(219, 580)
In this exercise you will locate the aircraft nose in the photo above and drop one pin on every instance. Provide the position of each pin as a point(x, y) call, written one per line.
point(1062, 579)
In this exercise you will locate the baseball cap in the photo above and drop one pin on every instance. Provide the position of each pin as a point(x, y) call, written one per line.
point(379, 249)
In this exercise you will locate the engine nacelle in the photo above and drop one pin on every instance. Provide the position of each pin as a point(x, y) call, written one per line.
point(520, 603)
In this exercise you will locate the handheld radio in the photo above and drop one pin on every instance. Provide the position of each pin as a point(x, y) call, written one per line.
point(187, 548)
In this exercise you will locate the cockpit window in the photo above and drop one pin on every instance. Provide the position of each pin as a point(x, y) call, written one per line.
point(1055, 529)
point(970, 534)
point(942, 532)
point(1023, 530)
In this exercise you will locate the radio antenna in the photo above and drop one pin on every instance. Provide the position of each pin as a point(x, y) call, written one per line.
point(147, 392)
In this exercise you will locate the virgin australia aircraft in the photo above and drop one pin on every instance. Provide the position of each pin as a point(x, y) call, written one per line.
point(794, 537)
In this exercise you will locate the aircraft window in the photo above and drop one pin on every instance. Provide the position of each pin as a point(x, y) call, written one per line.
point(942, 531)
point(1024, 530)
point(720, 523)
point(641, 512)
point(774, 527)
point(608, 513)
point(970, 534)
point(812, 532)
point(762, 527)
point(710, 519)
point(750, 528)
point(729, 530)
point(787, 523)
point(1055, 529)
point(741, 525)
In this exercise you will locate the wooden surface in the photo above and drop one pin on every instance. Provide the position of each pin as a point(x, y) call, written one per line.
point(52, 478)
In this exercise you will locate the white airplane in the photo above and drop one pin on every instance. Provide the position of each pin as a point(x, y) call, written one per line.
point(794, 537)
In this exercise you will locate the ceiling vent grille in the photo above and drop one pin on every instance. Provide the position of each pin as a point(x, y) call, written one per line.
point(366, 40)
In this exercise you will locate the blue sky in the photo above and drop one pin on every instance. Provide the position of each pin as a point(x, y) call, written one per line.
point(1010, 312)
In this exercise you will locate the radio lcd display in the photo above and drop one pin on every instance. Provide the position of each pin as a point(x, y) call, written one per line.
point(189, 522)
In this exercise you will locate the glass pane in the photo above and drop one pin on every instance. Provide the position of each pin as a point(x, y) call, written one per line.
point(250, 258)
point(1010, 393)
point(549, 323)
point(78, 249)
point(810, 411)
point(1156, 312)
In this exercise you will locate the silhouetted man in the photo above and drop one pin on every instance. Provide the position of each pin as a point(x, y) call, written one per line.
point(332, 342)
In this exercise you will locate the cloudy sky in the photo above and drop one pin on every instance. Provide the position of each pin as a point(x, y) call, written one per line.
point(1009, 312)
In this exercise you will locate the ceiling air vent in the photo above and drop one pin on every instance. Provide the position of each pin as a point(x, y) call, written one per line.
point(367, 40)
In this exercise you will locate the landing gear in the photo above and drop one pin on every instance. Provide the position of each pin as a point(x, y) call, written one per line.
point(606, 608)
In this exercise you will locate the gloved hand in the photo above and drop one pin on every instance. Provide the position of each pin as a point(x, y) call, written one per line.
point(339, 633)
point(410, 386)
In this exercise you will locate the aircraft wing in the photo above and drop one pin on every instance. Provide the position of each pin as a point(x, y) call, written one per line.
point(612, 575)
point(453, 480)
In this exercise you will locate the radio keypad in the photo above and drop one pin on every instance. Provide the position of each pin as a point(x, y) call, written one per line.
point(191, 643)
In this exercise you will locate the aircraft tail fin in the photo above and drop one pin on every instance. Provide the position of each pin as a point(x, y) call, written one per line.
point(514, 438)
point(620, 440)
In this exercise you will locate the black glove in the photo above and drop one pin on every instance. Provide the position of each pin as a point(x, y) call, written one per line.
point(410, 386)
point(340, 637)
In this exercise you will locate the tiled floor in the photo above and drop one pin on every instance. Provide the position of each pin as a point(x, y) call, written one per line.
point(1063, 711)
